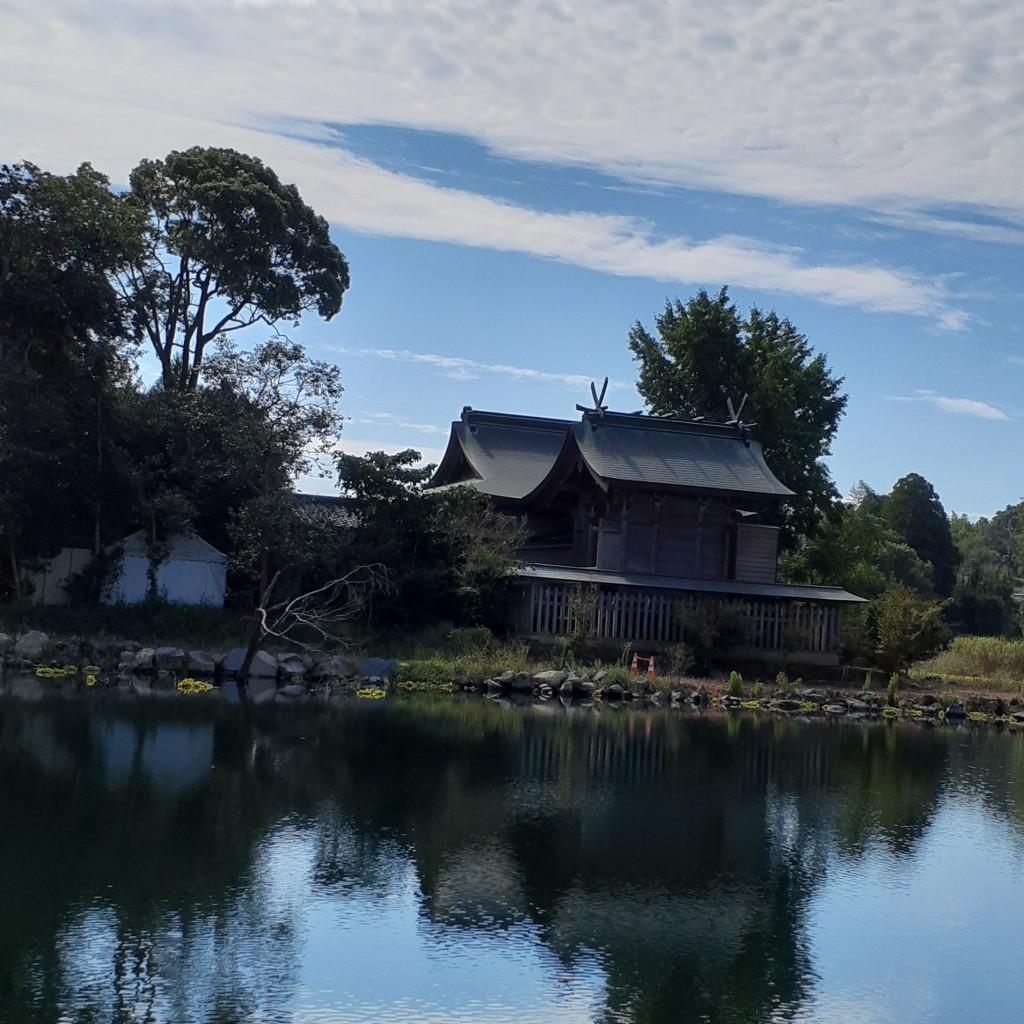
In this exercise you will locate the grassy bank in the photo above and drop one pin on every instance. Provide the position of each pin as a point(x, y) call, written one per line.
point(980, 661)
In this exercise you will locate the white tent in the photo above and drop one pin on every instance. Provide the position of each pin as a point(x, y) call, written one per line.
point(193, 573)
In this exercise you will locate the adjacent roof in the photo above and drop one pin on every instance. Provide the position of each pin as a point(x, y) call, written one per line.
point(503, 456)
point(793, 592)
point(325, 510)
point(515, 457)
point(184, 547)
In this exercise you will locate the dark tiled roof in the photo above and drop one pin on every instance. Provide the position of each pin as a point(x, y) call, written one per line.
point(507, 456)
point(793, 592)
point(325, 510)
point(673, 453)
point(513, 456)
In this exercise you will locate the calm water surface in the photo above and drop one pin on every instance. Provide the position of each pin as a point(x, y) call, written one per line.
point(464, 860)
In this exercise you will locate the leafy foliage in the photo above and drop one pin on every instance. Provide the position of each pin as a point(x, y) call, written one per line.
point(224, 245)
point(912, 510)
point(907, 628)
point(447, 553)
point(705, 353)
point(854, 548)
point(62, 359)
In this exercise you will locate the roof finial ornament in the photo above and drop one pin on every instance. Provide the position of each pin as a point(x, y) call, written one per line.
point(599, 407)
point(735, 421)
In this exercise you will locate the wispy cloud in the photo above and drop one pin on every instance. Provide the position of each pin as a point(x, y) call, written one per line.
point(391, 420)
point(911, 107)
point(958, 406)
point(469, 369)
point(364, 197)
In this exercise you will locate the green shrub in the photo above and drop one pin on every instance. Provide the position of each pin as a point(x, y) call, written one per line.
point(563, 656)
point(734, 687)
point(432, 673)
point(907, 628)
point(713, 629)
point(676, 660)
point(619, 675)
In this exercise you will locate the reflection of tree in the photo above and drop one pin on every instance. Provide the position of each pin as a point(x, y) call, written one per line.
point(102, 894)
point(675, 852)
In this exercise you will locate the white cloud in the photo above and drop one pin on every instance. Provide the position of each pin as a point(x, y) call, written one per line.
point(469, 369)
point(960, 406)
point(391, 420)
point(655, 91)
point(863, 102)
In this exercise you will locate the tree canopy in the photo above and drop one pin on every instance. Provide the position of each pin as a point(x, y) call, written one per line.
point(446, 553)
point(223, 244)
point(912, 510)
point(706, 353)
point(63, 361)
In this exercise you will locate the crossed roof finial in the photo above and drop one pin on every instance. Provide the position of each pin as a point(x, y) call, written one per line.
point(599, 407)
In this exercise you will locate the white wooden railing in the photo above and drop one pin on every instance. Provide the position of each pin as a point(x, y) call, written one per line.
point(641, 615)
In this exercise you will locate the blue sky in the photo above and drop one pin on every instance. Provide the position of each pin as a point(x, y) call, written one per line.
point(515, 183)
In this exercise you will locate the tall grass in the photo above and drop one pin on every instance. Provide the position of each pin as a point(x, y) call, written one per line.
point(989, 659)
point(468, 655)
point(171, 624)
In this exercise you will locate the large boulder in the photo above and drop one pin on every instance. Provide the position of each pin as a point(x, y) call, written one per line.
point(291, 666)
point(233, 661)
point(170, 659)
point(552, 677)
point(522, 682)
point(6, 644)
point(263, 666)
point(32, 646)
point(199, 663)
point(380, 668)
point(335, 667)
point(143, 660)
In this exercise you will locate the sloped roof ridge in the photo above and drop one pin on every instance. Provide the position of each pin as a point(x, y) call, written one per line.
point(651, 422)
point(507, 419)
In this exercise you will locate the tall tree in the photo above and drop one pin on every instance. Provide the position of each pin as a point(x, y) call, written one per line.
point(225, 245)
point(913, 510)
point(705, 353)
point(62, 362)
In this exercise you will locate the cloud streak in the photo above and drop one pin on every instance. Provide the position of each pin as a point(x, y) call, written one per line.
point(469, 369)
point(861, 103)
point(957, 406)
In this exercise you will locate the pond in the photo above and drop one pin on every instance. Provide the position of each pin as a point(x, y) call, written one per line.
point(424, 859)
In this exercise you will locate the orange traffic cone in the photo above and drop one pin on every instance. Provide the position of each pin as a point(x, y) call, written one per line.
point(633, 669)
point(650, 667)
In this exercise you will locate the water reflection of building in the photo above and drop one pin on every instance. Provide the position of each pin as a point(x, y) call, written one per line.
point(172, 756)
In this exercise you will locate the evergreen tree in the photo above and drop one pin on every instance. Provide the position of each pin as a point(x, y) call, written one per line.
point(706, 353)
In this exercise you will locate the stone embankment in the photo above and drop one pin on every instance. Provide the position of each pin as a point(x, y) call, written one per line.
point(703, 694)
point(131, 666)
point(295, 676)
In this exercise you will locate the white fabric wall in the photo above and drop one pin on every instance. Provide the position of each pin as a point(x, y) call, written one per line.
point(194, 573)
point(50, 583)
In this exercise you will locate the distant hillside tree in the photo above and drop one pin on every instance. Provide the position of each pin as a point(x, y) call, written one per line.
point(912, 509)
point(705, 353)
point(855, 549)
